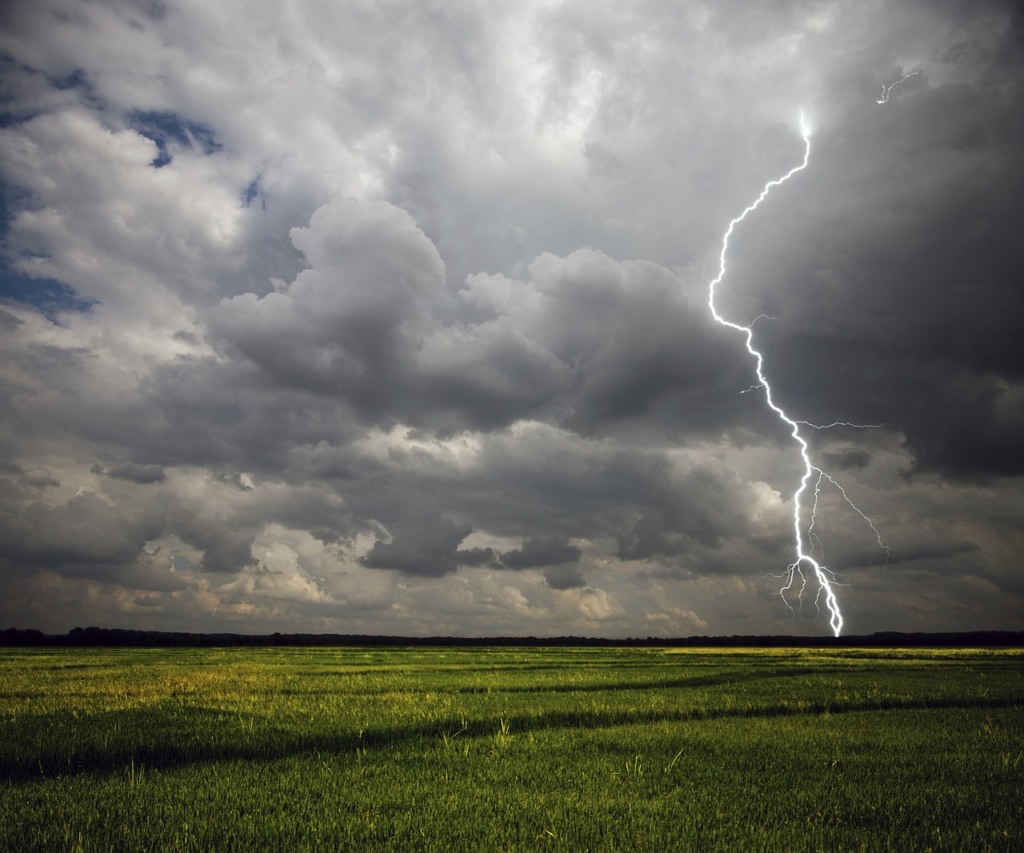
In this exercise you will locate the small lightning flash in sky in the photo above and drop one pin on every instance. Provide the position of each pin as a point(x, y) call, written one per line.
point(887, 89)
point(805, 563)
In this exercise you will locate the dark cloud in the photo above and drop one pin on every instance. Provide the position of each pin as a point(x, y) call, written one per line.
point(428, 548)
point(565, 577)
point(649, 537)
point(898, 304)
point(477, 557)
point(224, 551)
point(142, 474)
point(541, 551)
point(83, 531)
point(973, 431)
point(845, 460)
point(226, 415)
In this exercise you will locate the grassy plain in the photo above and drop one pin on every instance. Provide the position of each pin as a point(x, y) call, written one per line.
point(511, 749)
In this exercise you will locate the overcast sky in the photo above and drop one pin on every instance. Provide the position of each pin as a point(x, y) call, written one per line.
point(391, 317)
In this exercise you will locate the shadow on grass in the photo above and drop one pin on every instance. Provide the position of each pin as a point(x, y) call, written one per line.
point(46, 746)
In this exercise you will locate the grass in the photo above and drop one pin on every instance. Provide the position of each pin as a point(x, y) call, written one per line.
point(511, 749)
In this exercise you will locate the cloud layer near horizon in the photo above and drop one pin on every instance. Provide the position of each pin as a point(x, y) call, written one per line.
point(392, 317)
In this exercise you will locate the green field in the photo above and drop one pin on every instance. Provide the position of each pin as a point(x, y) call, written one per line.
point(511, 749)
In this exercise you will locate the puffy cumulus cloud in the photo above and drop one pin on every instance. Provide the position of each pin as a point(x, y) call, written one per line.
point(595, 604)
point(393, 317)
point(676, 621)
point(371, 323)
point(347, 324)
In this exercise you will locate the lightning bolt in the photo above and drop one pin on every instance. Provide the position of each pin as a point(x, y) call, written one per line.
point(805, 562)
point(887, 89)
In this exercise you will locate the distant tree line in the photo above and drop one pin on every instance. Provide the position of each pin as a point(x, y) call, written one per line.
point(127, 637)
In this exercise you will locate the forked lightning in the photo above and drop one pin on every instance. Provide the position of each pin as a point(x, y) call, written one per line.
point(796, 574)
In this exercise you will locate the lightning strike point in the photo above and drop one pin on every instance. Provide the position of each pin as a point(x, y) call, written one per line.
point(805, 563)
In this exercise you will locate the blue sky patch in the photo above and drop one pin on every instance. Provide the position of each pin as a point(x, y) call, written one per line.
point(167, 129)
point(253, 192)
point(47, 294)
point(50, 296)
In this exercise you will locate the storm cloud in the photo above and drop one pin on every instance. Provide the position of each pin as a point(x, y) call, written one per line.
point(394, 317)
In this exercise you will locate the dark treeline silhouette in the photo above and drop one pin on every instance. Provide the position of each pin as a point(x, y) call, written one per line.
point(126, 637)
